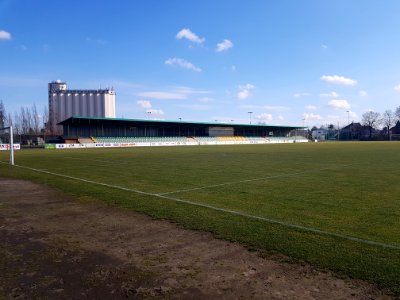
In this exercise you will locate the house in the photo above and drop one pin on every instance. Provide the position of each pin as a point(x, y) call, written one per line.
point(319, 134)
point(395, 131)
point(355, 131)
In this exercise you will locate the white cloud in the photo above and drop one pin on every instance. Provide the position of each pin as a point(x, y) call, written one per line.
point(173, 93)
point(311, 116)
point(162, 95)
point(206, 99)
point(144, 103)
point(182, 63)
point(224, 45)
point(301, 94)
point(4, 35)
point(324, 46)
point(280, 118)
point(311, 107)
point(397, 88)
point(157, 112)
point(339, 104)
point(335, 79)
point(191, 36)
point(264, 117)
point(329, 95)
point(244, 91)
point(363, 93)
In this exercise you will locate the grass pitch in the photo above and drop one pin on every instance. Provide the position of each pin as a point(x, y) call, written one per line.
point(335, 205)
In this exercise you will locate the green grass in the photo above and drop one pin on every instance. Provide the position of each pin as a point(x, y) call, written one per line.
point(349, 189)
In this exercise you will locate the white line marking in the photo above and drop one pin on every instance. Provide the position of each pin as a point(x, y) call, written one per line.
point(248, 180)
point(218, 184)
point(272, 221)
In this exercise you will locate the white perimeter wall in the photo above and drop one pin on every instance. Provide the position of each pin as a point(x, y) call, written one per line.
point(153, 144)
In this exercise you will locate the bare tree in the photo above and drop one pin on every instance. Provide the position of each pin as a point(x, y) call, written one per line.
point(388, 119)
point(45, 118)
point(3, 115)
point(17, 124)
point(35, 119)
point(9, 120)
point(370, 119)
point(24, 121)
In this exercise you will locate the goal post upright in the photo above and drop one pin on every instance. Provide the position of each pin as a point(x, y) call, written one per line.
point(11, 143)
point(11, 146)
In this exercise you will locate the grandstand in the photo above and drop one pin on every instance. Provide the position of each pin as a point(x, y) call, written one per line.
point(132, 132)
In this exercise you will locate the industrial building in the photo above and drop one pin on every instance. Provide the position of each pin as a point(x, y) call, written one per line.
point(64, 103)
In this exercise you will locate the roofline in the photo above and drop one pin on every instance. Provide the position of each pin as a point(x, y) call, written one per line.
point(179, 122)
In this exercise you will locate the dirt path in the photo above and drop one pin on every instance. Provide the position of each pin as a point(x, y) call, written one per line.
point(53, 246)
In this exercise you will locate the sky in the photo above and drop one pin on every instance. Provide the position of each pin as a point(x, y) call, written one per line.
point(305, 62)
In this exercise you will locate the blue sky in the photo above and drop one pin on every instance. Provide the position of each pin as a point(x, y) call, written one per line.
point(291, 62)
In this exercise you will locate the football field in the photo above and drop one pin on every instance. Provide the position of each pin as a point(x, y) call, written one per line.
point(335, 205)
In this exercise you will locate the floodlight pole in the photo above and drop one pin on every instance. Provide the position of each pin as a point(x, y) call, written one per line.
point(250, 112)
point(11, 146)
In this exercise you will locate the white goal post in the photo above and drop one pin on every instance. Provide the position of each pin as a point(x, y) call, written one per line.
point(11, 144)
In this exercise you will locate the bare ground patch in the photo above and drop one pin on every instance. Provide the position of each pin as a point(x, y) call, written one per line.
point(53, 246)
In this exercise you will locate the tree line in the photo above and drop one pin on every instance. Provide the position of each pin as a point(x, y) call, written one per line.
point(25, 121)
point(388, 119)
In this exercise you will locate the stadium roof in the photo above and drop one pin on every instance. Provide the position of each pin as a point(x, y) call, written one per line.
point(160, 122)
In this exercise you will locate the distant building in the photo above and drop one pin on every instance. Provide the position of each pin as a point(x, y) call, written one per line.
point(395, 131)
point(357, 131)
point(319, 134)
point(64, 103)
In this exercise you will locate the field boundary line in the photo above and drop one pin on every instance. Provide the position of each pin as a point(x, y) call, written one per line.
point(224, 183)
point(249, 180)
point(268, 220)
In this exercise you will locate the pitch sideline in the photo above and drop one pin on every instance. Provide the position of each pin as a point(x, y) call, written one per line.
point(271, 221)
